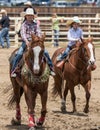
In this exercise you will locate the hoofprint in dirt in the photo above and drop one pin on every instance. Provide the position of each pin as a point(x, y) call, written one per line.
point(55, 120)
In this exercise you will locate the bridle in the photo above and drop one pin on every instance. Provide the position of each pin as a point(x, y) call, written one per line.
point(83, 57)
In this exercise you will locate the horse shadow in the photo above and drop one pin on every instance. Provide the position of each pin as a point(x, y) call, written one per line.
point(17, 127)
point(71, 113)
point(24, 127)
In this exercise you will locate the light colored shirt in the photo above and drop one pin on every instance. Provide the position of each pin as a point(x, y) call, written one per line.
point(74, 35)
point(29, 28)
point(55, 23)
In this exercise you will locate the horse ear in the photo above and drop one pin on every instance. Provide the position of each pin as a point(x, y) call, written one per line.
point(34, 37)
point(82, 40)
point(90, 39)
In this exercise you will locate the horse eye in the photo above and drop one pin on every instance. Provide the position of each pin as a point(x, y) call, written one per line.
point(41, 52)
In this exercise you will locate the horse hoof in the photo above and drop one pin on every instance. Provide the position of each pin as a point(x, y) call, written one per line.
point(39, 123)
point(75, 112)
point(15, 122)
point(86, 111)
point(32, 128)
point(63, 109)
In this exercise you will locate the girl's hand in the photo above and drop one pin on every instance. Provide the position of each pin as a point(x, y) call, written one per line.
point(28, 44)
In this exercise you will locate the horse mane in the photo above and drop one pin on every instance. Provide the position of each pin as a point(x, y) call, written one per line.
point(83, 42)
point(36, 40)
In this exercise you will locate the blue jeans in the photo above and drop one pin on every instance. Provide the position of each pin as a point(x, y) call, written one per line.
point(20, 54)
point(66, 52)
point(4, 33)
point(49, 61)
point(56, 37)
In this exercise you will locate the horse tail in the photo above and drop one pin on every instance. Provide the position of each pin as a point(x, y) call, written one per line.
point(13, 98)
point(58, 86)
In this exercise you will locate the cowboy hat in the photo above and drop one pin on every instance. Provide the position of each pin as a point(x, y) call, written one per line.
point(75, 19)
point(3, 11)
point(28, 3)
point(29, 11)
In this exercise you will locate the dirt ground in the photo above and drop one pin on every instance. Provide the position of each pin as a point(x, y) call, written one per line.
point(55, 120)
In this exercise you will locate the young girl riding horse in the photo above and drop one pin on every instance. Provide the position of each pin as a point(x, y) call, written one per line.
point(29, 27)
point(74, 34)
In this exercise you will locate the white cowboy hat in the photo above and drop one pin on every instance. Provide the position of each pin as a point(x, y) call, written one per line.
point(3, 11)
point(74, 19)
point(28, 3)
point(29, 11)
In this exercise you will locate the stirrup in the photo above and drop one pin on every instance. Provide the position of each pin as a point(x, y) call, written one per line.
point(13, 75)
point(52, 73)
point(59, 58)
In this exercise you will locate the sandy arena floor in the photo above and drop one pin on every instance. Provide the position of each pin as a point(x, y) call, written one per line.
point(55, 120)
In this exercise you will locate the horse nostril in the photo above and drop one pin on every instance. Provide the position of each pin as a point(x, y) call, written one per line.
point(92, 62)
point(36, 71)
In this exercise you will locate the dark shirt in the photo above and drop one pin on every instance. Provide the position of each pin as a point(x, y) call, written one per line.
point(5, 22)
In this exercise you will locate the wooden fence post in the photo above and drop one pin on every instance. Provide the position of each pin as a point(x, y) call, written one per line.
point(16, 35)
point(89, 28)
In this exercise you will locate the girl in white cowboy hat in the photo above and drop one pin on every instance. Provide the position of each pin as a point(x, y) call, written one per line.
point(28, 27)
point(27, 4)
point(74, 34)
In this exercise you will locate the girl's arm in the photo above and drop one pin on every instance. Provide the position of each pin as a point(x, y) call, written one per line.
point(70, 38)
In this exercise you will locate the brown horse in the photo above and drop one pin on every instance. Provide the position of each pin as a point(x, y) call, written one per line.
point(32, 80)
point(75, 70)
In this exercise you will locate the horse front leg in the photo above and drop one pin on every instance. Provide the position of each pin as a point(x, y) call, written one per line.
point(87, 88)
point(73, 97)
point(44, 97)
point(30, 97)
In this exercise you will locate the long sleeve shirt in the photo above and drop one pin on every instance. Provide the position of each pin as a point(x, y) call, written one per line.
point(74, 35)
point(28, 28)
point(5, 21)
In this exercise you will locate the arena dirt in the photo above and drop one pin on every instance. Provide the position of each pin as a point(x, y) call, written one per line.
point(55, 120)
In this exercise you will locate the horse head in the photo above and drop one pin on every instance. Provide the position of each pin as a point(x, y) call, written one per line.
point(87, 51)
point(34, 55)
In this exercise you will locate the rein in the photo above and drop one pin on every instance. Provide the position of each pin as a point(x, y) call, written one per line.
point(85, 64)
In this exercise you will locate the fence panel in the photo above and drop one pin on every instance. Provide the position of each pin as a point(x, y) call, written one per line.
point(89, 26)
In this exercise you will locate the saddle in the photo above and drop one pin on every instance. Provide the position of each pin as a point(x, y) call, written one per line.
point(60, 64)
